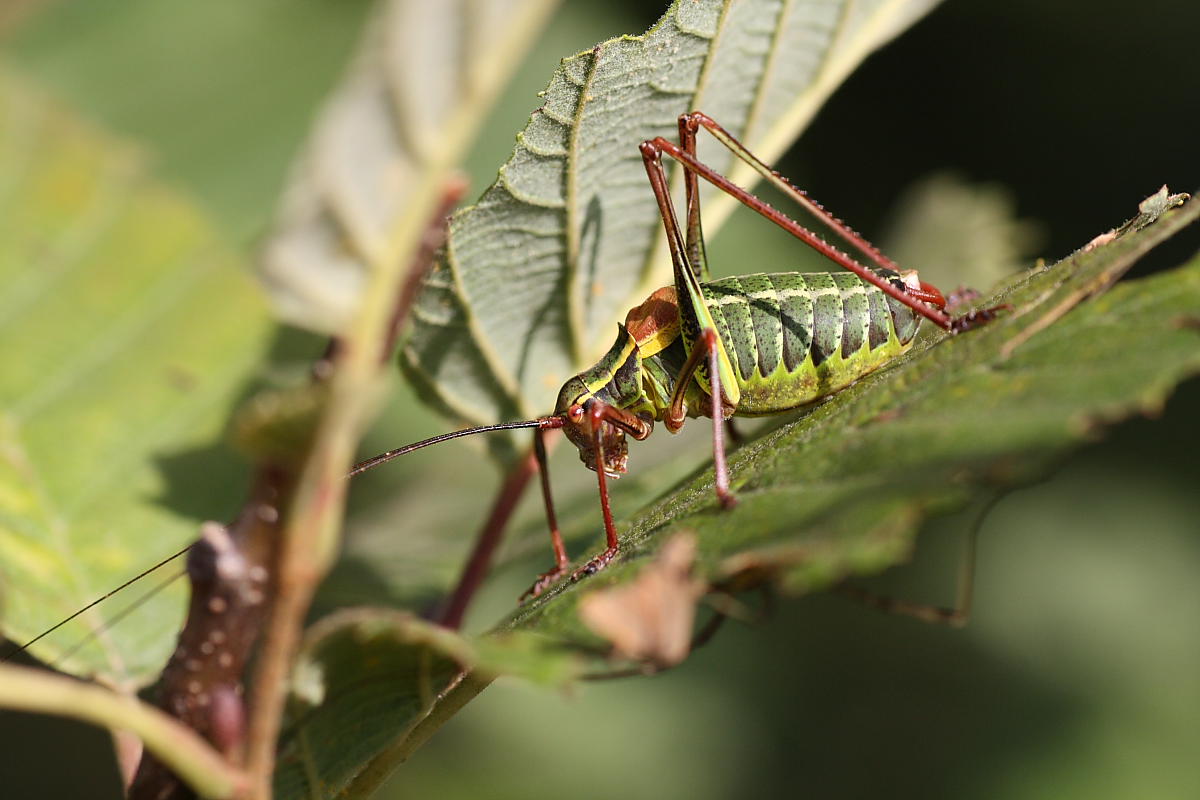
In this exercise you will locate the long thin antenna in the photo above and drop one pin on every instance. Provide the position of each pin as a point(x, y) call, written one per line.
point(543, 423)
point(94, 603)
point(115, 618)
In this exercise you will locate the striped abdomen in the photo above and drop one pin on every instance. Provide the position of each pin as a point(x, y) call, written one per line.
point(796, 337)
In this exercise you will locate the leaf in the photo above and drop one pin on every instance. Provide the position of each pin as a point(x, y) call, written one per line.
point(838, 492)
point(371, 684)
point(568, 238)
point(844, 489)
point(370, 672)
point(128, 331)
point(401, 119)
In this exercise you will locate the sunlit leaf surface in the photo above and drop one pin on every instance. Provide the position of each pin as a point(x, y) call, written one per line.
point(128, 330)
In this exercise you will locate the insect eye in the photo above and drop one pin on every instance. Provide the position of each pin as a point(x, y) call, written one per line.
point(576, 412)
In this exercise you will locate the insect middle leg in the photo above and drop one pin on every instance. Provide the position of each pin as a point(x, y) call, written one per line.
point(705, 352)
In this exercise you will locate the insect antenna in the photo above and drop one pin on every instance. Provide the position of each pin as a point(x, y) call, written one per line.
point(22, 648)
point(541, 423)
point(115, 618)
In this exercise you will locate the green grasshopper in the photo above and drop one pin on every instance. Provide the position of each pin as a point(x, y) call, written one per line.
point(750, 346)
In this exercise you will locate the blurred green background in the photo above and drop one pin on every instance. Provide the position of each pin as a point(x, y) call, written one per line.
point(1079, 675)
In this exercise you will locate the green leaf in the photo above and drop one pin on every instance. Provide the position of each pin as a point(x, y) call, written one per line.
point(400, 120)
point(371, 685)
point(839, 492)
point(368, 672)
point(844, 489)
point(128, 329)
point(568, 238)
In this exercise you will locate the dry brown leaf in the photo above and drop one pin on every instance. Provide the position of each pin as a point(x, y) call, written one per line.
point(651, 618)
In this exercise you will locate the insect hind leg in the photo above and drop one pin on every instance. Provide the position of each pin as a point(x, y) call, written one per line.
point(694, 121)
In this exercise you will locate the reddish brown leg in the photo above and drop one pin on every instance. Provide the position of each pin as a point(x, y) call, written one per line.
point(698, 119)
point(929, 293)
point(721, 482)
point(962, 322)
point(959, 297)
point(691, 192)
point(796, 229)
point(976, 318)
point(598, 414)
point(561, 562)
point(705, 350)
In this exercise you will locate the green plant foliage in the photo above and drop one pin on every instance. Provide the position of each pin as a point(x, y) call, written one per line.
point(128, 330)
point(371, 685)
point(363, 677)
point(840, 492)
point(843, 490)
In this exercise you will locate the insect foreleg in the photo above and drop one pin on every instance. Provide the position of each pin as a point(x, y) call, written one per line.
point(597, 416)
